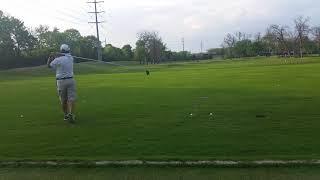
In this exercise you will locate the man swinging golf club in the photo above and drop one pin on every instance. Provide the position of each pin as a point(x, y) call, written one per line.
point(66, 86)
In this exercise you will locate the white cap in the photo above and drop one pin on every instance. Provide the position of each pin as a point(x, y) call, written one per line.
point(65, 48)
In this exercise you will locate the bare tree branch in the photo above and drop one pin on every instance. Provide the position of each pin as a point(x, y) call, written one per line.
point(302, 29)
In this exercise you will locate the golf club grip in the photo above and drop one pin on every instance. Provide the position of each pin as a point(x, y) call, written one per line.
point(55, 55)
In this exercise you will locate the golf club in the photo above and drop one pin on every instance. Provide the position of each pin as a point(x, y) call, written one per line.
point(105, 62)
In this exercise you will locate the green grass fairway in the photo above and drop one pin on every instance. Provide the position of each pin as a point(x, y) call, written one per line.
point(263, 109)
point(160, 174)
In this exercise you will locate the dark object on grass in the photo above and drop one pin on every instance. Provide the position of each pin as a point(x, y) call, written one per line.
point(148, 72)
point(260, 116)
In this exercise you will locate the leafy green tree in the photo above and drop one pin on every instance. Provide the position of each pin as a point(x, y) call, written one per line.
point(88, 46)
point(153, 45)
point(140, 53)
point(16, 43)
point(6, 42)
point(310, 46)
point(15, 39)
point(50, 39)
point(127, 52)
point(229, 43)
point(41, 33)
point(73, 39)
point(111, 53)
point(24, 41)
point(244, 48)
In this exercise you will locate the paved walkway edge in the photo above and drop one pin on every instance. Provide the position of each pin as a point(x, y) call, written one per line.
point(162, 163)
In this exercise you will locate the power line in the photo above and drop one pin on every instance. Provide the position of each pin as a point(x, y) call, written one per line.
point(70, 15)
point(67, 15)
point(79, 10)
point(69, 21)
point(97, 22)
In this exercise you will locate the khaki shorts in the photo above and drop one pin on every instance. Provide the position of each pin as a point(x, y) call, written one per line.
point(67, 90)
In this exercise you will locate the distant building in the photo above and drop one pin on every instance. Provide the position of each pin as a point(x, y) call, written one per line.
point(202, 56)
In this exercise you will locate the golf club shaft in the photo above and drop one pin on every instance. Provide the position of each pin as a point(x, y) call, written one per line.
point(95, 60)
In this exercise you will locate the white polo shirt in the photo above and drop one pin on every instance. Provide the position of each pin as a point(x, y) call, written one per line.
point(63, 66)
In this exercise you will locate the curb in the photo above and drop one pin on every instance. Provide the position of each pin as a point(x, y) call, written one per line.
point(160, 163)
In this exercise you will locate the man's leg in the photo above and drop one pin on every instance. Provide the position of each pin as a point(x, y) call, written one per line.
point(65, 109)
point(63, 100)
point(64, 104)
point(72, 100)
point(71, 111)
point(71, 107)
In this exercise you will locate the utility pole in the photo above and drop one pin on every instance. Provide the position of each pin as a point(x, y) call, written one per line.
point(96, 12)
point(182, 44)
point(201, 47)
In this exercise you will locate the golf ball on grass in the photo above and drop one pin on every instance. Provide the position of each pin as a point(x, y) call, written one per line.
point(211, 116)
point(21, 116)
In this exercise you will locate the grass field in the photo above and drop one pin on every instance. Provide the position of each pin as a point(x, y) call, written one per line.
point(310, 173)
point(263, 109)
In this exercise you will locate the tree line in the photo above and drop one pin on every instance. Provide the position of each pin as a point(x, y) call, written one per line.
point(21, 46)
point(280, 40)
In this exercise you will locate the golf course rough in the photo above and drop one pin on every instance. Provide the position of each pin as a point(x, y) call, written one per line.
point(263, 108)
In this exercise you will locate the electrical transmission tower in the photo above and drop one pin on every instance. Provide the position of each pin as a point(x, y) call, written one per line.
point(201, 47)
point(182, 44)
point(97, 22)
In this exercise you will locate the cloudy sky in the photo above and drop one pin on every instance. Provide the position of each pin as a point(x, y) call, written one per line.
point(193, 20)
